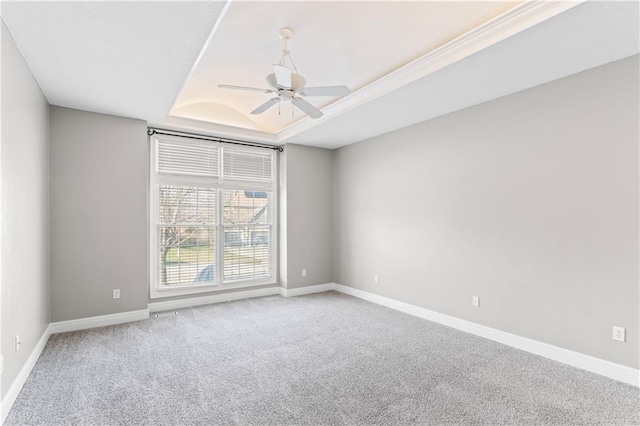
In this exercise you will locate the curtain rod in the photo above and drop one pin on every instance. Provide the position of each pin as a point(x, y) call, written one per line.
point(155, 131)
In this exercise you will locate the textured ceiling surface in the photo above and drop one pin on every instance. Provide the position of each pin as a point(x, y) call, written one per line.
point(126, 58)
point(162, 61)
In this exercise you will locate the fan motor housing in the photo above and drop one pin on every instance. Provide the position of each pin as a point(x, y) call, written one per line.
point(285, 95)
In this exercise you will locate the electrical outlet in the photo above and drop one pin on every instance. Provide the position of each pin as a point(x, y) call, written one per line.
point(619, 333)
point(475, 301)
point(116, 293)
point(304, 272)
point(18, 343)
point(376, 279)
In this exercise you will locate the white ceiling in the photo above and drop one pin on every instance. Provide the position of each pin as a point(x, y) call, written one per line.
point(589, 35)
point(335, 43)
point(134, 58)
point(125, 58)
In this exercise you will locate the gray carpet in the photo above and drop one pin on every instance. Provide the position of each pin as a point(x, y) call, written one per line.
point(319, 359)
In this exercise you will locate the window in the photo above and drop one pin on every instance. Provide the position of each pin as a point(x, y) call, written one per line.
point(212, 216)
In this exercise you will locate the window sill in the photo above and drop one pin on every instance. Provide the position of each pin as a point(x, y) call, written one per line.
point(158, 293)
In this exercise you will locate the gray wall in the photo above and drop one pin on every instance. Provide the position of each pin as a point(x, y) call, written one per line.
point(25, 210)
point(99, 179)
point(306, 205)
point(529, 202)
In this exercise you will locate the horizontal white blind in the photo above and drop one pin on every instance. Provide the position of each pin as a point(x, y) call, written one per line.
point(192, 157)
point(186, 205)
point(247, 252)
point(248, 165)
point(213, 215)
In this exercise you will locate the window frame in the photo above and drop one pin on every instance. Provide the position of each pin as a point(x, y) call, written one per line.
point(220, 184)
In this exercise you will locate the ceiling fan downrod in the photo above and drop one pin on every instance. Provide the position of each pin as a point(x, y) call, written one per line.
point(285, 35)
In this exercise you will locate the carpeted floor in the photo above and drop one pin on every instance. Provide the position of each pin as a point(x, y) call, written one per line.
point(319, 359)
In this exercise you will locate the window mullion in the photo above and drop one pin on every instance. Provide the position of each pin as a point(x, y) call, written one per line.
point(219, 236)
point(250, 235)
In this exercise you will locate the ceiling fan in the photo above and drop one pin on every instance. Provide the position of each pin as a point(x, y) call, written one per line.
point(289, 85)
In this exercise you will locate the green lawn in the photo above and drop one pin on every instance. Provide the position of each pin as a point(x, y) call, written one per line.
point(206, 254)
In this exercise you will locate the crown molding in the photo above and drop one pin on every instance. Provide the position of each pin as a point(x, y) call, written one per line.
point(218, 130)
point(516, 20)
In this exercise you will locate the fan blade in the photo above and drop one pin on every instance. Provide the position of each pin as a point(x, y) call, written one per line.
point(325, 91)
point(250, 89)
point(307, 108)
point(265, 106)
point(283, 76)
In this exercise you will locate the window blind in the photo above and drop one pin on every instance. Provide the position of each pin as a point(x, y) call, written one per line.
point(213, 216)
point(188, 157)
point(247, 165)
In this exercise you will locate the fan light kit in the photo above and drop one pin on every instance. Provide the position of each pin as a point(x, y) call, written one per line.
point(289, 85)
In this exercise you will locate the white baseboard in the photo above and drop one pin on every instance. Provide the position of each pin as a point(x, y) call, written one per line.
point(595, 365)
point(98, 321)
point(318, 288)
point(585, 362)
point(15, 388)
point(188, 302)
point(168, 305)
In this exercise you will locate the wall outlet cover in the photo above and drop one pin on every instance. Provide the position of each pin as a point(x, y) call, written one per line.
point(475, 301)
point(116, 293)
point(619, 333)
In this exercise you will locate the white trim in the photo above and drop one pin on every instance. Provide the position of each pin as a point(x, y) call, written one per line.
point(585, 362)
point(168, 305)
point(173, 122)
point(318, 288)
point(219, 184)
point(189, 290)
point(18, 383)
point(98, 321)
point(513, 21)
point(214, 30)
point(595, 365)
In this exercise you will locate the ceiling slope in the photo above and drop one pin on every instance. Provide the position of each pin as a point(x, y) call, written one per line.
point(125, 58)
point(133, 58)
point(589, 35)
